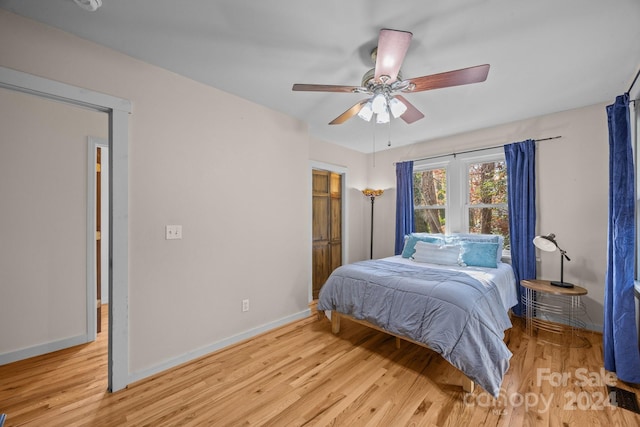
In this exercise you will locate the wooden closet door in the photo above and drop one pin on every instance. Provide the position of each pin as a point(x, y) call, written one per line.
point(327, 226)
point(335, 212)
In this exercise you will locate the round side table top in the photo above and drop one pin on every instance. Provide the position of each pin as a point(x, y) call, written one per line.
point(547, 287)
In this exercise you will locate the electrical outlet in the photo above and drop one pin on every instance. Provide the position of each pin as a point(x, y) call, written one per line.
point(245, 305)
point(173, 232)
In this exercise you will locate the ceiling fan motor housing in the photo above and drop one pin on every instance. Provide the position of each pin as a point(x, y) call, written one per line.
point(90, 5)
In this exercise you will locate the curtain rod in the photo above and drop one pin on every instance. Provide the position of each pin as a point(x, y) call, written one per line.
point(480, 149)
point(634, 81)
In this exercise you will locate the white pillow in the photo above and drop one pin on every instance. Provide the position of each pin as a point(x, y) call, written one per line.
point(437, 254)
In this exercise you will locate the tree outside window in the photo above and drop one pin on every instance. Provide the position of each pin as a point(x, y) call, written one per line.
point(430, 200)
point(488, 210)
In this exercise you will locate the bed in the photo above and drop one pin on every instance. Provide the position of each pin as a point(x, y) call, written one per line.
point(438, 301)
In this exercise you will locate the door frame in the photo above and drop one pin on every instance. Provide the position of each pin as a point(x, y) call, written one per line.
point(342, 171)
point(118, 110)
point(92, 145)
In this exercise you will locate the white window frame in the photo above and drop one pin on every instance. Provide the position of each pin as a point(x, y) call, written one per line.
point(457, 169)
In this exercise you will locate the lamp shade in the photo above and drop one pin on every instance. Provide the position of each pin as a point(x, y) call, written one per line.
point(379, 103)
point(372, 193)
point(546, 243)
point(383, 116)
point(397, 108)
point(366, 112)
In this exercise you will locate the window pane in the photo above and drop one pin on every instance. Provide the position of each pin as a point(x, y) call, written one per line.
point(430, 220)
point(430, 199)
point(430, 188)
point(490, 221)
point(488, 183)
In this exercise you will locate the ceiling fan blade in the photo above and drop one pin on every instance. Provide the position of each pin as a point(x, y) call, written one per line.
point(463, 76)
point(326, 88)
point(412, 114)
point(348, 114)
point(392, 47)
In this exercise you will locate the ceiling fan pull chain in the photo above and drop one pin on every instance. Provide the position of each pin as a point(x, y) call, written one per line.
point(373, 127)
point(389, 135)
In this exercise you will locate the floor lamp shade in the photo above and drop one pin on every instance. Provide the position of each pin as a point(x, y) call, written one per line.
point(548, 243)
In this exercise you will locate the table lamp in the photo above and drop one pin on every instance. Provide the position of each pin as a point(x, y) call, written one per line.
point(548, 243)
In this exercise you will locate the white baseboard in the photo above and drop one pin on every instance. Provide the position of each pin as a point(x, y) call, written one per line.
point(137, 376)
point(40, 349)
point(594, 327)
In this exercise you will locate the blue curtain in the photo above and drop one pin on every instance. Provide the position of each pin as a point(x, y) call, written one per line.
point(620, 337)
point(404, 203)
point(521, 193)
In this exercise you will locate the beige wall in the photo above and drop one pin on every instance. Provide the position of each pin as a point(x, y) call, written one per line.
point(235, 175)
point(572, 191)
point(43, 220)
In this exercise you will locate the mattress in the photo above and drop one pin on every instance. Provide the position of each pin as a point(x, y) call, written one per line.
point(502, 277)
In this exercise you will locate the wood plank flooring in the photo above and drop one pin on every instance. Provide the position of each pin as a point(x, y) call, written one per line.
point(301, 374)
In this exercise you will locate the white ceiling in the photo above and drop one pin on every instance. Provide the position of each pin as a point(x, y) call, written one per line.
point(545, 55)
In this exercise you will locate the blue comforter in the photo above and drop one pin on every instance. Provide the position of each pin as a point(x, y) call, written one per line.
point(451, 312)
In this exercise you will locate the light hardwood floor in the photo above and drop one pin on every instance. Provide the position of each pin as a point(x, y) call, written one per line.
point(302, 374)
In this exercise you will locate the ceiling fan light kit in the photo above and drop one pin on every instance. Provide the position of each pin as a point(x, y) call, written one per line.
point(382, 105)
point(379, 103)
point(366, 112)
point(397, 108)
point(384, 81)
point(383, 116)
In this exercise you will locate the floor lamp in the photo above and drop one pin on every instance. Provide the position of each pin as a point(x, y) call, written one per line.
point(372, 194)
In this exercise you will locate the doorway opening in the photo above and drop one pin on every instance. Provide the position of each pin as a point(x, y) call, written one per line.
point(98, 227)
point(118, 111)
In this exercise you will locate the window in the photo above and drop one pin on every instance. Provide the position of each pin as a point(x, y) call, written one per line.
point(430, 200)
point(462, 193)
point(487, 199)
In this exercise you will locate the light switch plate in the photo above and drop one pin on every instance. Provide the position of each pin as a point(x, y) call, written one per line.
point(173, 232)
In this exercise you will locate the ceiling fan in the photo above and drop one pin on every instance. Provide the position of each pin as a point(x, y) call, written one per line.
point(384, 82)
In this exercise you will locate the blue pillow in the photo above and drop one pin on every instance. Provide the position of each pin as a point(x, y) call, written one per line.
point(480, 254)
point(473, 237)
point(409, 246)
